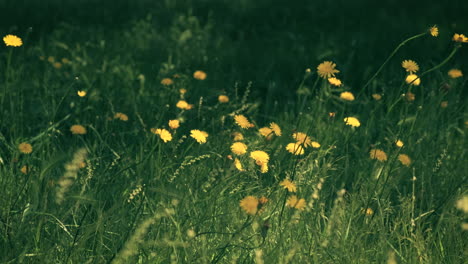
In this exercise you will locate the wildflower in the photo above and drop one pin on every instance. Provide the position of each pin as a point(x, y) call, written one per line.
point(462, 204)
point(460, 38)
point(249, 204)
point(455, 73)
point(263, 200)
point(295, 148)
point(410, 96)
point(25, 148)
point(174, 124)
point(199, 75)
point(223, 99)
point(352, 121)
point(167, 81)
point(237, 136)
point(242, 121)
point(265, 131)
point(413, 79)
point(444, 104)
point(57, 65)
point(404, 159)
point(334, 81)
point(199, 136)
point(327, 69)
point(78, 130)
point(399, 143)
point(275, 128)
point(238, 164)
point(377, 97)
point(369, 211)
point(348, 96)
point(289, 185)
point(294, 202)
point(81, 93)
point(121, 116)
point(163, 134)
point(24, 169)
point(315, 144)
point(378, 155)
point(239, 148)
point(260, 156)
point(12, 40)
point(410, 66)
point(434, 31)
point(302, 138)
point(331, 114)
point(182, 104)
point(182, 91)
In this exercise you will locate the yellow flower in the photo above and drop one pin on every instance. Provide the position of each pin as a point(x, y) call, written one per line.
point(249, 204)
point(302, 138)
point(163, 134)
point(404, 159)
point(266, 132)
point(182, 104)
point(78, 129)
point(399, 143)
point(275, 128)
point(315, 144)
point(410, 96)
point(239, 148)
point(242, 121)
point(81, 93)
point(413, 79)
point(434, 31)
point(25, 148)
point(369, 211)
point(294, 202)
point(378, 155)
point(327, 69)
point(460, 38)
point(352, 121)
point(377, 97)
point(444, 104)
point(174, 124)
point(223, 99)
point(57, 65)
point(121, 116)
point(348, 96)
point(12, 40)
point(462, 204)
point(455, 73)
point(237, 136)
point(199, 136)
point(24, 169)
point(289, 185)
point(199, 75)
point(238, 164)
point(295, 148)
point(167, 81)
point(334, 81)
point(182, 91)
point(410, 66)
point(260, 157)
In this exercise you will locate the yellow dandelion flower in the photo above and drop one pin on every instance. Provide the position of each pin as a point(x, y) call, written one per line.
point(12, 40)
point(462, 204)
point(263, 200)
point(294, 202)
point(182, 91)
point(260, 157)
point(24, 169)
point(167, 81)
point(182, 104)
point(460, 38)
point(455, 73)
point(275, 128)
point(289, 185)
point(266, 132)
point(404, 159)
point(369, 211)
point(352, 121)
point(57, 65)
point(25, 148)
point(444, 104)
point(199, 136)
point(295, 148)
point(327, 69)
point(174, 124)
point(223, 99)
point(249, 204)
point(237, 136)
point(239, 148)
point(413, 79)
point(434, 31)
point(78, 129)
point(399, 143)
point(302, 138)
point(334, 81)
point(242, 121)
point(348, 96)
point(121, 116)
point(238, 165)
point(163, 134)
point(315, 144)
point(331, 114)
point(81, 93)
point(410, 66)
point(378, 154)
point(377, 97)
point(410, 96)
point(199, 75)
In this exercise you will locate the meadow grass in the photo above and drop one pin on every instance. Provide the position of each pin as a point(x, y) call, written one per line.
point(125, 186)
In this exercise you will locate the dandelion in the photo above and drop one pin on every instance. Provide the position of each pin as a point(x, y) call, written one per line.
point(239, 148)
point(334, 81)
point(295, 148)
point(275, 128)
point(182, 104)
point(460, 38)
point(404, 159)
point(81, 93)
point(377, 97)
point(444, 104)
point(24, 169)
point(163, 134)
point(237, 136)
point(352, 121)
point(455, 73)
point(199, 75)
point(25, 148)
point(410, 96)
point(331, 114)
point(462, 204)
point(260, 156)
point(369, 211)
point(315, 144)
point(174, 124)
point(413, 79)
point(12, 40)
point(434, 31)
point(78, 130)
point(223, 99)
point(266, 132)
point(242, 121)
point(167, 81)
point(289, 185)
point(121, 116)
point(199, 136)
point(378, 154)
point(410, 66)
point(249, 204)
point(399, 143)
point(182, 91)
point(302, 138)
point(294, 202)
point(348, 96)
point(238, 165)
point(327, 69)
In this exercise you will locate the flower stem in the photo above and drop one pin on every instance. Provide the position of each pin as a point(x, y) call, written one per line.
point(455, 49)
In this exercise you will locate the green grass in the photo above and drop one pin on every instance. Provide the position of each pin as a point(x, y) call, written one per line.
point(139, 199)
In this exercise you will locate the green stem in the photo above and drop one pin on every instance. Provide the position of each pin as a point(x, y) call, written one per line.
point(7, 77)
point(455, 49)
